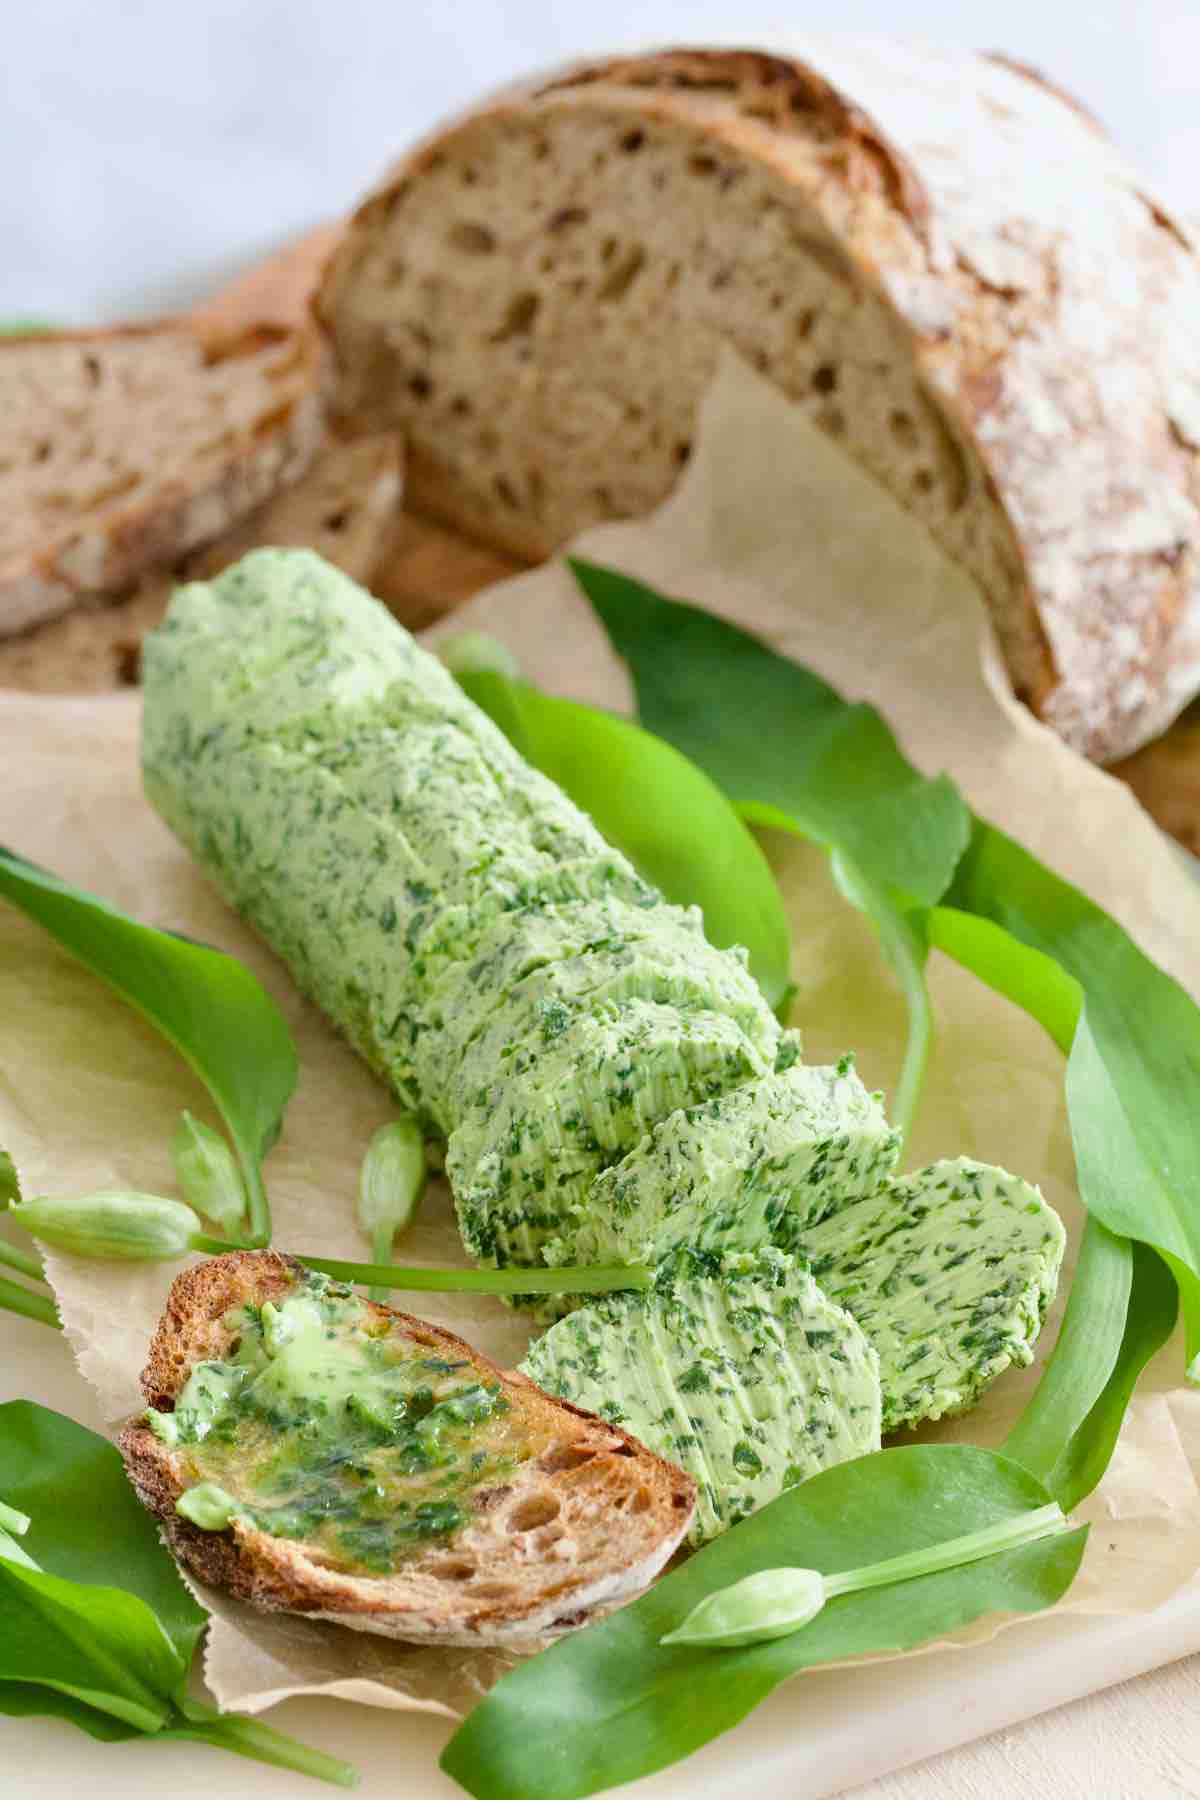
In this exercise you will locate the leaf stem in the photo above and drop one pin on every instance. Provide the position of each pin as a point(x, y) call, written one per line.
point(25, 1262)
point(955, 1553)
point(261, 1743)
point(600, 1280)
point(16, 1299)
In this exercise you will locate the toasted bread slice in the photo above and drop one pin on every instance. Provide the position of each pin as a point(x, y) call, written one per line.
point(582, 1522)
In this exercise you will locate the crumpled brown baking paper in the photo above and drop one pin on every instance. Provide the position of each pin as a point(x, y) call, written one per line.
point(775, 528)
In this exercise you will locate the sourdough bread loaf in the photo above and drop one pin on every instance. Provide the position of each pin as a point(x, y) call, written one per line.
point(936, 254)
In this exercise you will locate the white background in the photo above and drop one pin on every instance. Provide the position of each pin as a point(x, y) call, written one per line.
point(150, 147)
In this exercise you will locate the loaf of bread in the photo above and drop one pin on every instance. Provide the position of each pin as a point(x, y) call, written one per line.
point(121, 450)
point(936, 254)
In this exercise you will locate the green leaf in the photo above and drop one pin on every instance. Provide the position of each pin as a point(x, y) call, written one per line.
point(669, 818)
point(261, 1743)
point(792, 754)
point(88, 1525)
point(596, 1279)
point(100, 1645)
point(1084, 1359)
point(610, 1703)
point(1150, 1320)
point(783, 744)
point(1135, 1056)
point(27, 1305)
point(214, 1011)
point(10, 1187)
point(23, 1700)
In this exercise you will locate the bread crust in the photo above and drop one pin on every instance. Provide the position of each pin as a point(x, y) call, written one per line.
point(583, 1526)
point(1047, 305)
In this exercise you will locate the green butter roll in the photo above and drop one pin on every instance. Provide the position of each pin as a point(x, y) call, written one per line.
point(520, 987)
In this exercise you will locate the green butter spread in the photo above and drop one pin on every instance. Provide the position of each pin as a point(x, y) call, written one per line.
point(739, 1369)
point(949, 1272)
point(323, 1426)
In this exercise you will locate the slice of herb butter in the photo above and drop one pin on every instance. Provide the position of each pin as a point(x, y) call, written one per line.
point(690, 978)
point(799, 1142)
point(949, 1272)
point(575, 1094)
point(325, 1427)
point(739, 1369)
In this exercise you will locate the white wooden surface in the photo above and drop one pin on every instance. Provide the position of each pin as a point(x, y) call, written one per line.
point(1140, 1740)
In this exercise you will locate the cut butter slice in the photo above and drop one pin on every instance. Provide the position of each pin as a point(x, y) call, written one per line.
point(739, 1369)
point(800, 1142)
point(949, 1271)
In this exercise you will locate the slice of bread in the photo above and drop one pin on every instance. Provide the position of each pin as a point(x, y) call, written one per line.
point(917, 245)
point(346, 508)
point(581, 1526)
point(121, 450)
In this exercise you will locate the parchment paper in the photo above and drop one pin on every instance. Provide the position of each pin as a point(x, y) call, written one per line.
point(772, 526)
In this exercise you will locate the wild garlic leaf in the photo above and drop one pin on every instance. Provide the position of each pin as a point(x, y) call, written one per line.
point(611, 1703)
point(100, 1645)
point(669, 818)
point(1134, 1056)
point(88, 1525)
point(791, 753)
point(214, 1011)
point(783, 744)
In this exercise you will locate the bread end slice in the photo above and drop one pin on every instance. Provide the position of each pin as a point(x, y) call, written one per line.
point(577, 1529)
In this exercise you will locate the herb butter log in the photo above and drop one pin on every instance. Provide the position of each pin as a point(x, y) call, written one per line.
point(569, 1032)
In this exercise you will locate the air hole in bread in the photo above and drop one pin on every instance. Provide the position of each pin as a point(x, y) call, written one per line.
point(91, 368)
point(493, 1590)
point(621, 277)
point(565, 216)
point(336, 521)
point(683, 450)
point(904, 429)
point(460, 406)
point(563, 1457)
point(534, 1510)
point(454, 1571)
point(702, 165)
point(471, 236)
point(924, 481)
point(632, 140)
point(41, 451)
point(506, 492)
point(805, 322)
point(642, 1500)
point(420, 386)
point(522, 310)
point(825, 378)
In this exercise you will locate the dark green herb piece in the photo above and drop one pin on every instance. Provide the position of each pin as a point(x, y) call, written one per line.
point(611, 1703)
point(214, 1011)
point(669, 818)
point(102, 1631)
